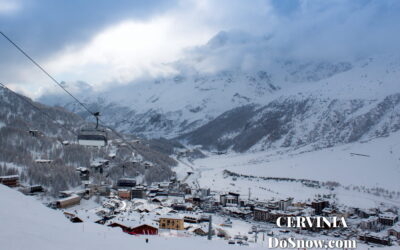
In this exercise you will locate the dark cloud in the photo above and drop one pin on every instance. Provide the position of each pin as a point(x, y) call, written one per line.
point(256, 31)
point(46, 26)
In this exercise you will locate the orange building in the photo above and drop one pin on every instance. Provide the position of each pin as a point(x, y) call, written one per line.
point(171, 223)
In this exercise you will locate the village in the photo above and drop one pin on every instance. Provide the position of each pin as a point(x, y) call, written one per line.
point(177, 209)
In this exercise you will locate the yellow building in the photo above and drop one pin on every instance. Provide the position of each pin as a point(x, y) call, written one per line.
point(171, 223)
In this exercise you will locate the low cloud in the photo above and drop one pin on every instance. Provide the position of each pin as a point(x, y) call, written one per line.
point(152, 42)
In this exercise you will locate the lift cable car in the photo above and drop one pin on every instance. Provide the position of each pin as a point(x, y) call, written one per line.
point(93, 136)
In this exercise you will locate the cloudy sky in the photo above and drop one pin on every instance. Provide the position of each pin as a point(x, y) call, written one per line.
point(104, 43)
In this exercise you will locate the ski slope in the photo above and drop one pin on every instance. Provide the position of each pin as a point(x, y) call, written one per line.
point(27, 224)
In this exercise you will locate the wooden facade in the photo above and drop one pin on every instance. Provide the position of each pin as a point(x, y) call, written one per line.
point(171, 223)
point(125, 194)
point(10, 180)
point(143, 229)
point(68, 202)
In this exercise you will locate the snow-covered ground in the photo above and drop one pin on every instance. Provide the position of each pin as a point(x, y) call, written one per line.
point(27, 224)
point(379, 167)
point(375, 164)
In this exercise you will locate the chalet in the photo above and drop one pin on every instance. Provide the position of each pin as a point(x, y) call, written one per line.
point(328, 211)
point(73, 218)
point(147, 164)
point(125, 194)
point(171, 222)
point(68, 202)
point(237, 212)
point(35, 133)
point(319, 205)
point(164, 185)
point(185, 188)
point(83, 173)
point(115, 224)
point(204, 218)
point(43, 161)
point(197, 201)
point(388, 219)
point(139, 192)
point(200, 231)
point(99, 165)
point(156, 200)
point(230, 199)
point(10, 180)
point(144, 229)
point(191, 219)
point(65, 193)
point(180, 206)
point(126, 182)
point(102, 190)
point(365, 213)
point(33, 189)
point(371, 223)
point(375, 238)
point(395, 231)
point(261, 214)
point(85, 193)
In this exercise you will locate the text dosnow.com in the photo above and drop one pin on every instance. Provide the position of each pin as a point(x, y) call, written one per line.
point(315, 244)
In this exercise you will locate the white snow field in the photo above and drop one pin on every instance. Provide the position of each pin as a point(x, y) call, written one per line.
point(375, 164)
point(26, 224)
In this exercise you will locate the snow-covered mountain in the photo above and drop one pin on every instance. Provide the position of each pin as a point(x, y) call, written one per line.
point(234, 92)
point(30, 131)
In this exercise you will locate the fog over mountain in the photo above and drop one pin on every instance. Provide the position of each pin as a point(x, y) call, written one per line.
point(266, 101)
point(277, 73)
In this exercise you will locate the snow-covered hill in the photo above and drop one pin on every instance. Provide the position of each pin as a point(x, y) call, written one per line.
point(42, 228)
point(53, 138)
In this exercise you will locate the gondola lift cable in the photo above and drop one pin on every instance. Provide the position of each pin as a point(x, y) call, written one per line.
point(95, 114)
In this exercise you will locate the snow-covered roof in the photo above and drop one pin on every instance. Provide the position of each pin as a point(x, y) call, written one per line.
point(43, 161)
point(9, 177)
point(69, 198)
point(388, 216)
point(396, 227)
point(174, 217)
point(134, 223)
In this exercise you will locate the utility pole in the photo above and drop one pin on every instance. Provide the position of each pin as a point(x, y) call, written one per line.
point(210, 228)
point(249, 193)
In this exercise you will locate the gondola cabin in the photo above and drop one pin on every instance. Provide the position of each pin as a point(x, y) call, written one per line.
point(92, 137)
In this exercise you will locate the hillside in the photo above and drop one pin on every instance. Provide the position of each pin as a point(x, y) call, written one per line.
point(47, 229)
point(56, 142)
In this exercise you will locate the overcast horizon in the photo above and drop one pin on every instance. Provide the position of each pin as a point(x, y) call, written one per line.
point(105, 43)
